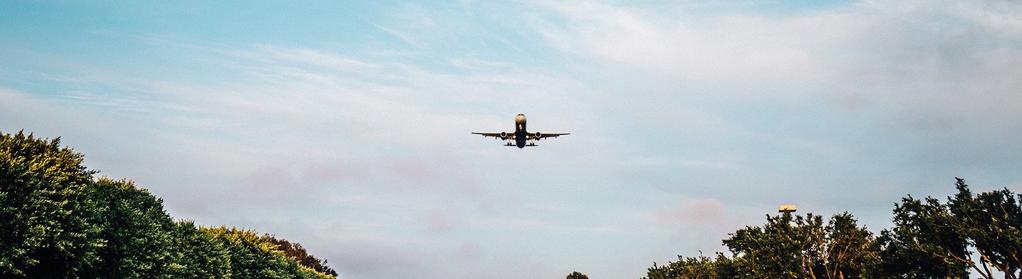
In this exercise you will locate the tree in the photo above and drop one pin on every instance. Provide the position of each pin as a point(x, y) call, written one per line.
point(850, 250)
point(198, 254)
point(701, 267)
point(929, 239)
point(992, 224)
point(787, 246)
point(56, 221)
point(44, 210)
point(252, 256)
point(933, 239)
point(577, 275)
point(923, 242)
point(138, 233)
point(298, 253)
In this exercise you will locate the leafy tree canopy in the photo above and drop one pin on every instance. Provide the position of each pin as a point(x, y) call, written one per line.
point(977, 233)
point(45, 213)
point(56, 221)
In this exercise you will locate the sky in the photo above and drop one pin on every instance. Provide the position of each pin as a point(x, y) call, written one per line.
point(345, 126)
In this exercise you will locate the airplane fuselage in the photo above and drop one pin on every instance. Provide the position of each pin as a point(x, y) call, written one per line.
point(521, 136)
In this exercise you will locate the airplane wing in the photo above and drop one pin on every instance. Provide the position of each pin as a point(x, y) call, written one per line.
point(497, 135)
point(539, 136)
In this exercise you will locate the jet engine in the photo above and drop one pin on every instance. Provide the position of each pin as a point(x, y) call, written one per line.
point(503, 135)
point(539, 135)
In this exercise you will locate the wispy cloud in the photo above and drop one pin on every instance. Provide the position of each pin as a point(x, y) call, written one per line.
point(533, 225)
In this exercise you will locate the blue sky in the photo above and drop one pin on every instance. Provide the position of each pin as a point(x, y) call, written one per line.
point(345, 125)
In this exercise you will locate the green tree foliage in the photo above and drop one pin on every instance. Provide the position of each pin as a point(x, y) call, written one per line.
point(198, 254)
point(298, 253)
point(850, 250)
point(577, 275)
point(701, 267)
point(992, 224)
point(923, 242)
point(44, 210)
point(787, 246)
point(977, 233)
point(933, 239)
point(56, 221)
point(139, 235)
point(253, 256)
point(796, 246)
point(784, 247)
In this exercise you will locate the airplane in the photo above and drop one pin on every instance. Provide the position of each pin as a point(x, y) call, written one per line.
point(520, 137)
